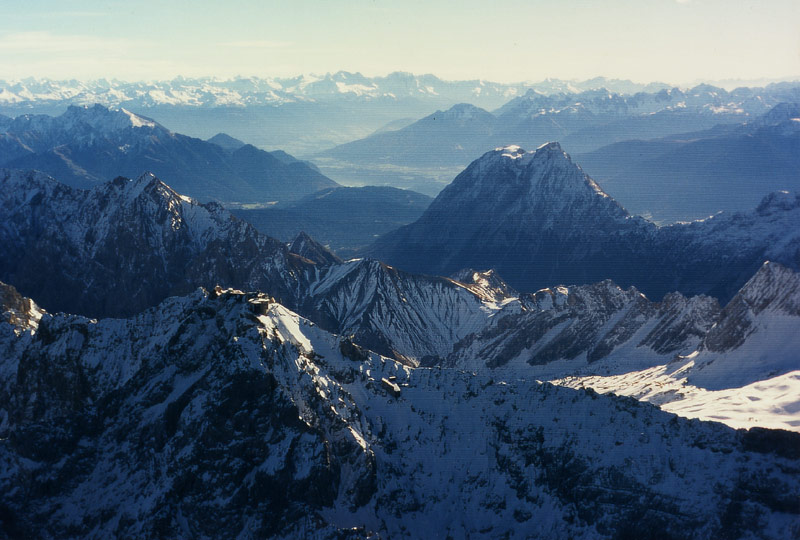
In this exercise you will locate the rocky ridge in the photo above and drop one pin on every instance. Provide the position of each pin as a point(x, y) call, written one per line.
point(237, 417)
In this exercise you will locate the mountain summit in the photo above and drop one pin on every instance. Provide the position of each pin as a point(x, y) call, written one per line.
point(538, 219)
point(523, 213)
point(528, 186)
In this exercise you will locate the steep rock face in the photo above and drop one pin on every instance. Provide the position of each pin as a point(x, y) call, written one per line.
point(571, 328)
point(756, 336)
point(87, 146)
point(171, 424)
point(533, 216)
point(538, 219)
point(745, 371)
point(223, 414)
point(410, 317)
point(127, 244)
point(18, 311)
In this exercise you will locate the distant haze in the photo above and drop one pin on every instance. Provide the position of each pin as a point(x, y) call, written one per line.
point(675, 41)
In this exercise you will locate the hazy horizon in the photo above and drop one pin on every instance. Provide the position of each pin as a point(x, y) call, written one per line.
point(727, 84)
point(678, 42)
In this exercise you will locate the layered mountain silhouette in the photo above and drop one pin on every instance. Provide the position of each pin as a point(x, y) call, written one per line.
point(694, 175)
point(584, 121)
point(347, 219)
point(86, 146)
point(128, 244)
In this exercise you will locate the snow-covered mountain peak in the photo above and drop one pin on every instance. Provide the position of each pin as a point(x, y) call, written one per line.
point(774, 287)
point(105, 120)
point(772, 294)
point(228, 412)
point(548, 171)
point(131, 188)
point(755, 337)
point(84, 126)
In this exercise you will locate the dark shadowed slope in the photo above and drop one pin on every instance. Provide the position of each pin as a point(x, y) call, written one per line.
point(538, 219)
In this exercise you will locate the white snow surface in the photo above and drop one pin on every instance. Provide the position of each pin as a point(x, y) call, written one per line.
point(596, 96)
point(769, 403)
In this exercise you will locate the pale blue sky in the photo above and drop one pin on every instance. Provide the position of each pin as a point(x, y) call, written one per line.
point(643, 40)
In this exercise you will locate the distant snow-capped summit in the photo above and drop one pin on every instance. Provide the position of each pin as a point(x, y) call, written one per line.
point(523, 189)
point(78, 125)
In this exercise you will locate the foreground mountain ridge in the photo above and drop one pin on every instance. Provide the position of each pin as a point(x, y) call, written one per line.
point(237, 417)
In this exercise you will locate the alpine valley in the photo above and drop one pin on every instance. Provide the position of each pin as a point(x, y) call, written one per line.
point(192, 352)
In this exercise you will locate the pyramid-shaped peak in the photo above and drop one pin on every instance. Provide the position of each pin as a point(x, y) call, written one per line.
point(305, 246)
point(131, 188)
point(775, 286)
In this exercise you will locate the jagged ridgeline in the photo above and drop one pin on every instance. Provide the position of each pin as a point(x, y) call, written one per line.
point(224, 414)
point(128, 244)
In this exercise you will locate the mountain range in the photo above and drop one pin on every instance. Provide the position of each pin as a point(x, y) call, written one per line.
point(694, 175)
point(128, 244)
point(302, 114)
point(538, 219)
point(521, 357)
point(354, 399)
point(306, 114)
point(672, 146)
point(86, 146)
point(241, 91)
point(224, 413)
